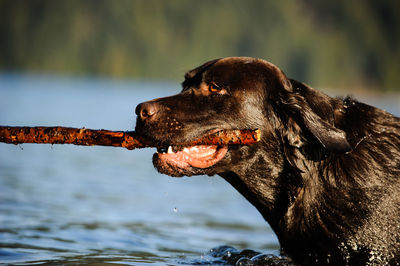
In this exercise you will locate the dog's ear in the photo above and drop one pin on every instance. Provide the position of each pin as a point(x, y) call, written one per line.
point(194, 76)
point(308, 105)
point(332, 138)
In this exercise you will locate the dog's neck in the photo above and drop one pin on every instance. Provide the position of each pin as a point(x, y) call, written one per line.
point(299, 196)
point(258, 179)
point(295, 202)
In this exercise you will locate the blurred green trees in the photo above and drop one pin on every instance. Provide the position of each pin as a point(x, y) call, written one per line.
point(333, 43)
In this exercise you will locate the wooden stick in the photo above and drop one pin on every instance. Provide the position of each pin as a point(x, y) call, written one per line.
point(125, 139)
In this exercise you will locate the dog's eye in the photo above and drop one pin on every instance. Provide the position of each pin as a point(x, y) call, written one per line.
point(214, 88)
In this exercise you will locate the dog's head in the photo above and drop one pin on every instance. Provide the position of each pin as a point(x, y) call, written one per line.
point(234, 93)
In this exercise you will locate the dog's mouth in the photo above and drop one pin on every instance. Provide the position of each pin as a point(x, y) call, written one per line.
point(198, 156)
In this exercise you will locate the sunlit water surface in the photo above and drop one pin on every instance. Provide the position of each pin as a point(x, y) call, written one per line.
point(62, 204)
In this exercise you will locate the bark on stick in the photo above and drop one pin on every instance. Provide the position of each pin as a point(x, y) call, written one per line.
point(125, 139)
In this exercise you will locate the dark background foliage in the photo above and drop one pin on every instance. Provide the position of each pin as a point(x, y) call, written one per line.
point(333, 43)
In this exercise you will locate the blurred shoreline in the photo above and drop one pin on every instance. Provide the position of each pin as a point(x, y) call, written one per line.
point(335, 43)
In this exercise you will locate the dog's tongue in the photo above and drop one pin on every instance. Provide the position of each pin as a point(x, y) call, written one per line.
point(199, 156)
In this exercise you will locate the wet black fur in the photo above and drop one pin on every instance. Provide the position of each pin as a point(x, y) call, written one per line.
point(326, 175)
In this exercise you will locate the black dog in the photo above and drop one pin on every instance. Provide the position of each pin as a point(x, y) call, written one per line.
point(326, 174)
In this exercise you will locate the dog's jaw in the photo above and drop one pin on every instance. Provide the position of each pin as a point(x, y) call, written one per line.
point(190, 160)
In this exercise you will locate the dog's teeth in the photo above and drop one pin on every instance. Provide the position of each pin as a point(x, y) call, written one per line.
point(170, 149)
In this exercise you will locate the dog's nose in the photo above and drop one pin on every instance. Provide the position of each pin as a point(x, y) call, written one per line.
point(146, 110)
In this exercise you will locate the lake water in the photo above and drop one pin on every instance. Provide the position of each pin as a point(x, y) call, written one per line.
point(62, 204)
